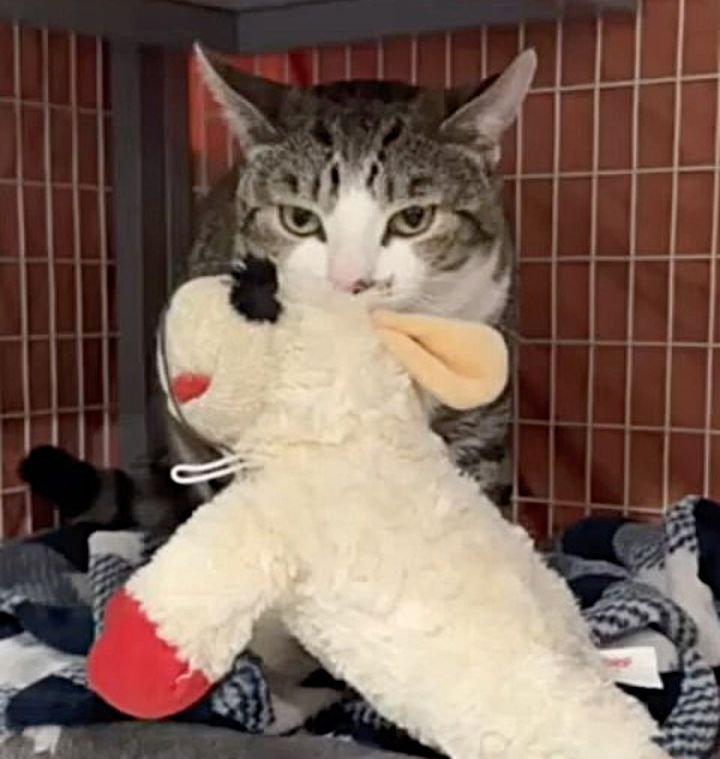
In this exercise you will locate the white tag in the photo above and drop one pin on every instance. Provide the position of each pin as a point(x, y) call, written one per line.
point(633, 666)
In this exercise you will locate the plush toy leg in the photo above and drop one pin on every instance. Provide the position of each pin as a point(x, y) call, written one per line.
point(136, 671)
point(182, 620)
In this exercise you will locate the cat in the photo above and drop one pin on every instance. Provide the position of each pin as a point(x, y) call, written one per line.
point(382, 187)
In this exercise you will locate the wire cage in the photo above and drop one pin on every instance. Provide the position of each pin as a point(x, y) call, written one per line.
point(57, 317)
point(612, 187)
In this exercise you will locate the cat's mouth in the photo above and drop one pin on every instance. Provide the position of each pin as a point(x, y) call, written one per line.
point(386, 292)
point(372, 286)
point(377, 292)
point(368, 286)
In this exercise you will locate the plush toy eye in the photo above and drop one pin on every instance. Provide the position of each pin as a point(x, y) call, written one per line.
point(300, 221)
point(254, 290)
point(412, 221)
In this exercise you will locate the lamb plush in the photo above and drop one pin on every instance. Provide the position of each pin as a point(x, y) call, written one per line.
point(352, 524)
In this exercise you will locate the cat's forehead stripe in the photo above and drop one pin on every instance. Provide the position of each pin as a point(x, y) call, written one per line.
point(372, 174)
point(322, 133)
point(419, 186)
point(292, 182)
point(393, 134)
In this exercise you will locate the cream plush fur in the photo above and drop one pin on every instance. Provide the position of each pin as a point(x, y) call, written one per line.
point(377, 554)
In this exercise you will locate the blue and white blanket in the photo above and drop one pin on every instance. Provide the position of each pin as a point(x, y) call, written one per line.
point(639, 585)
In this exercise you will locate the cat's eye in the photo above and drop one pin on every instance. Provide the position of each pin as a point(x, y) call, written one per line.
point(412, 221)
point(300, 221)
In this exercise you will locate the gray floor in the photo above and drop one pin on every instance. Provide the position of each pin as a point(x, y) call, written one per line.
point(150, 741)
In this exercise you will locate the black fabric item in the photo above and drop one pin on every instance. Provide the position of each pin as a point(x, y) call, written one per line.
point(70, 542)
point(592, 539)
point(54, 474)
point(9, 626)
point(57, 701)
point(589, 588)
point(322, 679)
point(202, 714)
point(68, 629)
point(659, 702)
point(391, 739)
point(707, 519)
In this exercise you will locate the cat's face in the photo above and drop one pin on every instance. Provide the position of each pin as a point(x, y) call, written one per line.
point(385, 190)
point(366, 197)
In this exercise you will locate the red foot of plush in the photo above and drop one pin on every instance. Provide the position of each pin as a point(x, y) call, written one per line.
point(135, 671)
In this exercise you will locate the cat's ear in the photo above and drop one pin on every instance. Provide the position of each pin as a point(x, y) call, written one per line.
point(485, 117)
point(250, 104)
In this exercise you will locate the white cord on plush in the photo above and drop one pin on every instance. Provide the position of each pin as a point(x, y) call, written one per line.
point(190, 474)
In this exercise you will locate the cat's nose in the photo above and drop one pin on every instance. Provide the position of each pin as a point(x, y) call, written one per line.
point(352, 286)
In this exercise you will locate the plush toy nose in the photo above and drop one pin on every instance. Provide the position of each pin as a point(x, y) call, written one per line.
point(185, 387)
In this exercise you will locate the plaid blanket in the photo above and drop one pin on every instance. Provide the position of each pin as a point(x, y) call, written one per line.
point(639, 585)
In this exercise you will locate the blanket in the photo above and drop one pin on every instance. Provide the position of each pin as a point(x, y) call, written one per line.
point(657, 586)
point(640, 586)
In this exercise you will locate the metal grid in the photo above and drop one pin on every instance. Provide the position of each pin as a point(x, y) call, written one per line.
point(613, 186)
point(632, 457)
point(57, 324)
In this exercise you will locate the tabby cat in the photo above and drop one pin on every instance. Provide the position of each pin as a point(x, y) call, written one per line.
point(382, 188)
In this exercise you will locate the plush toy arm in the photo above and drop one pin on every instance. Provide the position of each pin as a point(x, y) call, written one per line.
point(177, 627)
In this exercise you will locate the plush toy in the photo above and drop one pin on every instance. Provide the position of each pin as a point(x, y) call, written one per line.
point(352, 524)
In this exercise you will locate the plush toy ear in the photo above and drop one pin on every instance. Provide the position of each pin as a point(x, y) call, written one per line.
point(463, 364)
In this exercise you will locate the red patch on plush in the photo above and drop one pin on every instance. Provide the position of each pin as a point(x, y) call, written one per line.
point(134, 670)
point(185, 387)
